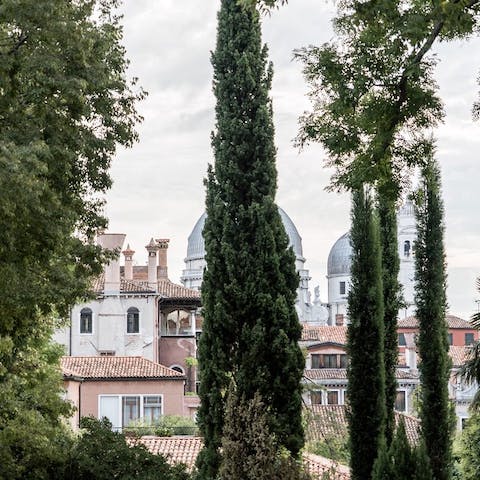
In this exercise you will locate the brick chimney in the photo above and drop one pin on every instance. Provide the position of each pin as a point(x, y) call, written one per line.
point(128, 271)
point(152, 248)
point(162, 271)
point(114, 243)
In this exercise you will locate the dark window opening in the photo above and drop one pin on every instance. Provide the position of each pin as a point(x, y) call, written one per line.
point(86, 320)
point(342, 288)
point(469, 340)
point(401, 401)
point(401, 340)
point(133, 320)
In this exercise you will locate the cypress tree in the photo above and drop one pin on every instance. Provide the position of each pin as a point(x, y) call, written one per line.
point(250, 331)
point(387, 216)
point(430, 283)
point(366, 375)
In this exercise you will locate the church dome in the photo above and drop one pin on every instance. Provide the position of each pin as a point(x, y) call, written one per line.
point(196, 244)
point(340, 257)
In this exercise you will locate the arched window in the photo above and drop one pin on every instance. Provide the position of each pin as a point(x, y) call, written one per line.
point(86, 320)
point(178, 369)
point(133, 320)
point(406, 248)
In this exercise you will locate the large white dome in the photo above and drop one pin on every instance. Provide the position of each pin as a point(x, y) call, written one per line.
point(340, 257)
point(196, 244)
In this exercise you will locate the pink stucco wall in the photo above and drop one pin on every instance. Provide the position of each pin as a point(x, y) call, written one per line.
point(172, 391)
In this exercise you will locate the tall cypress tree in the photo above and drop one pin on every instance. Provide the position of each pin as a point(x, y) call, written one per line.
point(366, 374)
point(250, 328)
point(430, 284)
point(387, 216)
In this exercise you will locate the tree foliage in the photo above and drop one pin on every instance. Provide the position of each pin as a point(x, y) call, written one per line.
point(387, 219)
point(250, 450)
point(250, 331)
point(373, 95)
point(65, 105)
point(430, 298)
point(470, 448)
point(365, 340)
point(102, 454)
point(401, 461)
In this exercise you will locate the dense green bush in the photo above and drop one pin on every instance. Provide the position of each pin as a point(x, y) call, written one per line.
point(166, 426)
point(101, 454)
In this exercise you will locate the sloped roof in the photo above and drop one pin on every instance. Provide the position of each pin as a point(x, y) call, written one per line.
point(171, 290)
point(186, 449)
point(341, 374)
point(453, 322)
point(459, 354)
point(324, 334)
point(166, 288)
point(175, 449)
point(112, 367)
point(331, 421)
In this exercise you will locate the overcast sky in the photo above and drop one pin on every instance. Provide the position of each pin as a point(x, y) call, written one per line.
point(158, 184)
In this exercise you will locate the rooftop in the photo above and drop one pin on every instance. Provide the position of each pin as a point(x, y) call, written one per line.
point(112, 367)
point(324, 334)
point(453, 322)
point(186, 449)
point(331, 421)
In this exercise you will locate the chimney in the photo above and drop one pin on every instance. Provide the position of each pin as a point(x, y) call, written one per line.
point(339, 319)
point(152, 263)
point(114, 243)
point(162, 271)
point(128, 272)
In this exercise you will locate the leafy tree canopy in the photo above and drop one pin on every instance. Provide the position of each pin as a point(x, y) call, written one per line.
point(372, 89)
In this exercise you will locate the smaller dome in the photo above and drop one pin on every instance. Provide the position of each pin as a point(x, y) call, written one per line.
point(340, 257)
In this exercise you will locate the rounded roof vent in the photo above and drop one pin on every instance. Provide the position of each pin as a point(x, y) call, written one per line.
point(340, 257)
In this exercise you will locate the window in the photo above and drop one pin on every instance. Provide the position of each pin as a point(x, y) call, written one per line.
point(130, 410)
point(401, 401)
point(342, 288)
point(332, 397)
point(469, 340)
point(401, 340)
point(330, 361)
point(86, 323)
point(152, 408)
point(316, 398)
point(406, 248)
point(124, 409)
point(133, 320)
point(177, 322)
point(450, 339)
point(178, 369)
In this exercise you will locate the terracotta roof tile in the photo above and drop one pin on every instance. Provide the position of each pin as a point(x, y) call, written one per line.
point(321, 467)
point(324, 334)
point(116, 367)
point(175, 449)
point(166, 288)
point(331, 421)
point(172, 290)
point(341, 374)
point(453, 322)
point(186, 449)
point(459, 354)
